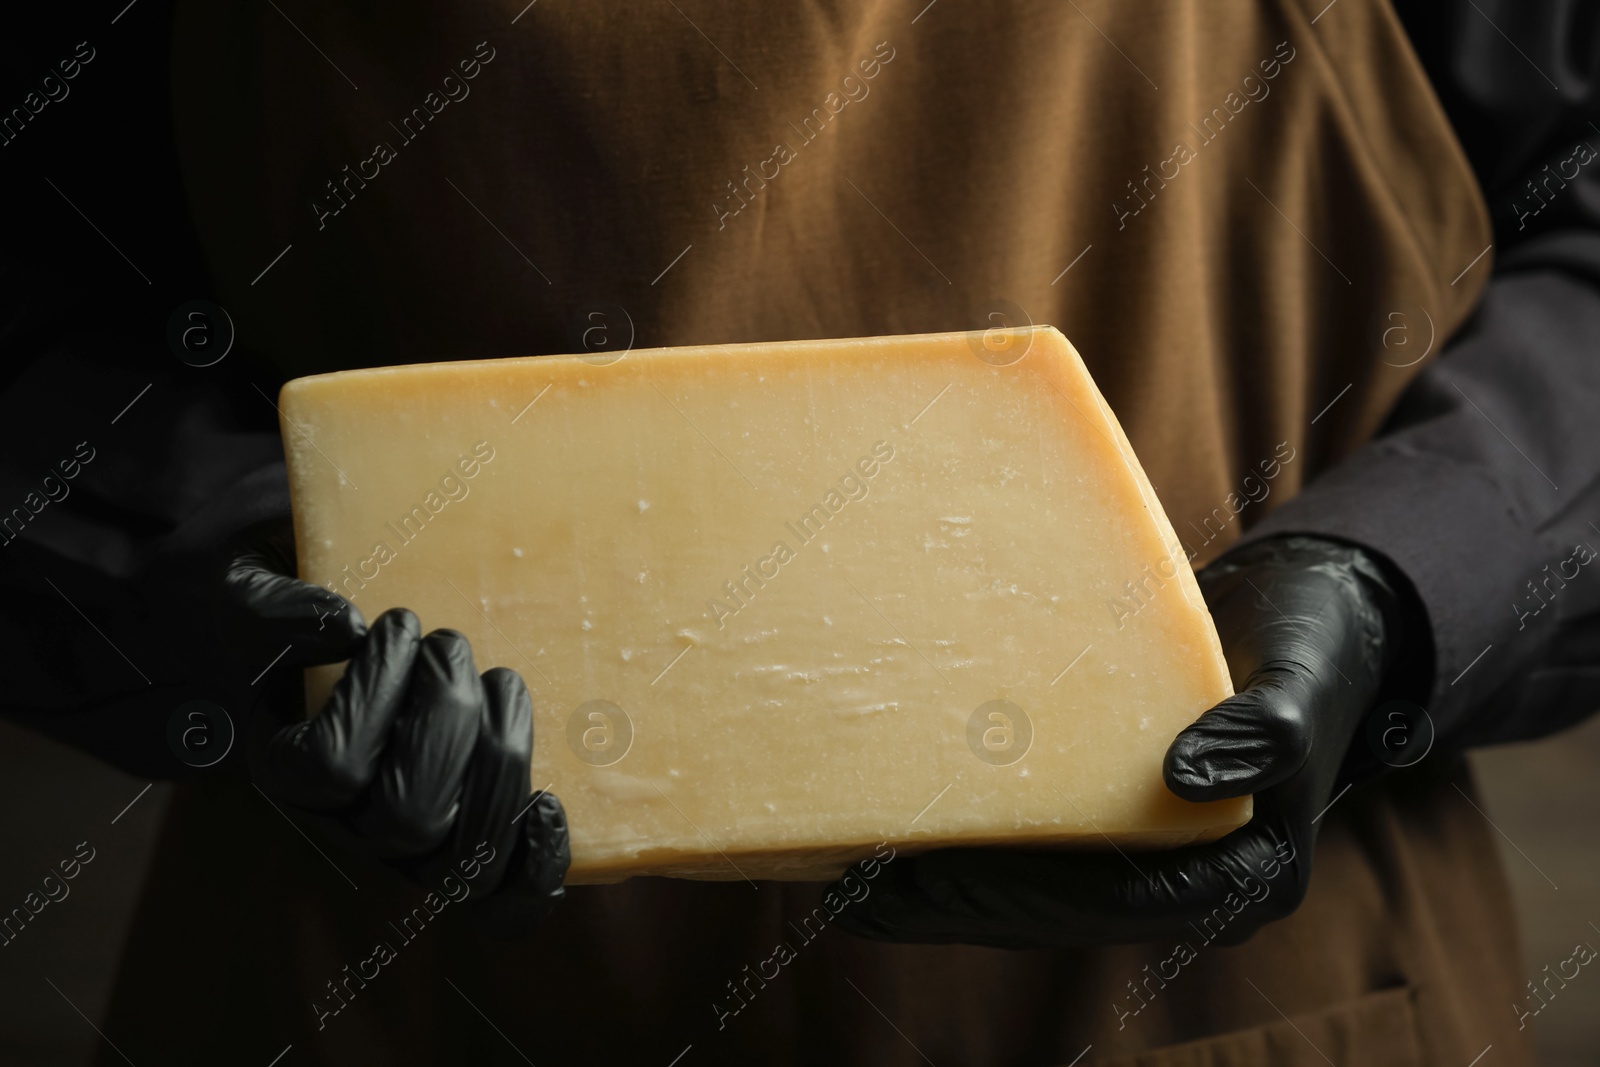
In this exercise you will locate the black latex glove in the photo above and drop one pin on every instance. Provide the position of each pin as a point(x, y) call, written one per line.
point(1306, 626)
point(416, 759)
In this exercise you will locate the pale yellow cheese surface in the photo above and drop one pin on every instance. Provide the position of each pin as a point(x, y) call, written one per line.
point(777, 603)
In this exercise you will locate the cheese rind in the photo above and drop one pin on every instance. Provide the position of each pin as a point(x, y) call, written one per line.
point(778, 603)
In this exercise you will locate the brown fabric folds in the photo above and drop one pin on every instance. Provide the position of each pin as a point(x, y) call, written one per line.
point(1220, 311)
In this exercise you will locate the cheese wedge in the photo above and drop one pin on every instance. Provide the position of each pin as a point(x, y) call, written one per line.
point(779, 603)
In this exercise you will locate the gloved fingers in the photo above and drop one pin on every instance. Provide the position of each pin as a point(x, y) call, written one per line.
point(1008, 899)
point(276, 611)
point(536, 852)
point(1255, 739)
point(325, 763)
point(495, 789)
point(417, 791)
point(533, 885)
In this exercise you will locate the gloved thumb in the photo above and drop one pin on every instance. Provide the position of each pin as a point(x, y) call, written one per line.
point(1250, 742)
point(269, 612)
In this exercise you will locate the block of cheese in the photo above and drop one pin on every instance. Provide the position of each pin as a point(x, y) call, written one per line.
point(779, 603)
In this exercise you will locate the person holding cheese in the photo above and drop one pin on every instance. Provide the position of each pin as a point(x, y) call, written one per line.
point(1354, 243)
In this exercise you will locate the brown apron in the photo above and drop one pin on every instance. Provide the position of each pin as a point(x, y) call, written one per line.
point(1250, 216)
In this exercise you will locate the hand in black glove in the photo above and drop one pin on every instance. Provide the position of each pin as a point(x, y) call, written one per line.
point(416, 759)
point(1307, 627)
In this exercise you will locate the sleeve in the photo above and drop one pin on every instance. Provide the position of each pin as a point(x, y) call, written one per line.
point(1483, 490)
point(124, 469)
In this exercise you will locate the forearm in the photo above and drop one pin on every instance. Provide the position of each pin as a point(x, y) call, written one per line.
point(1483, 493)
